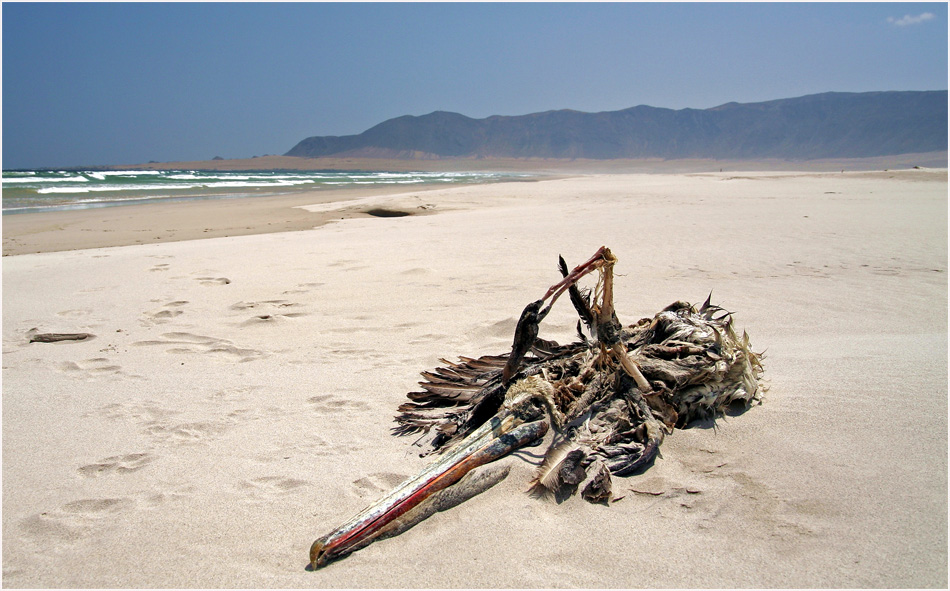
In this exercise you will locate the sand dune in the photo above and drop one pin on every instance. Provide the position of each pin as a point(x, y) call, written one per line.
point(236, 401)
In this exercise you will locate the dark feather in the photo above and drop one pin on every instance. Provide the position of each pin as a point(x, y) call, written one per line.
point(693, 358)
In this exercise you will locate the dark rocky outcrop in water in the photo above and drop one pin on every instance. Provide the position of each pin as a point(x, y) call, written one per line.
point(828, 125)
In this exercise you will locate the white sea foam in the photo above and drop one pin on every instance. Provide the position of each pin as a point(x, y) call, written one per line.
point(235, 184)
point(34, 180)
point(105, 173)
point(128, 188)
point(46, 190)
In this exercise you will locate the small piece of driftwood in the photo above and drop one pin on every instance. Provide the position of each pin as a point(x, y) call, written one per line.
point(56, 337)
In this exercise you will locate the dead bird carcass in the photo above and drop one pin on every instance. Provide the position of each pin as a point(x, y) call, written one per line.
point(610, 398)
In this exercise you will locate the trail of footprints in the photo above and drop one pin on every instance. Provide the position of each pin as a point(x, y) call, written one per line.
point(258, 313)
point(164, 427)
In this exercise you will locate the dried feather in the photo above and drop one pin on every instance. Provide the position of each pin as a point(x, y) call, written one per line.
point(443, 376)
point(449, 390)
point(485, 362)
point(548, 480)
point(693, 358)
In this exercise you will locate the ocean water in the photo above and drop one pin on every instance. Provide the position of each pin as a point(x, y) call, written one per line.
point(49, 190)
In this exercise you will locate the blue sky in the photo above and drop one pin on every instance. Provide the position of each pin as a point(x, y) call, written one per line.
point(87, 84)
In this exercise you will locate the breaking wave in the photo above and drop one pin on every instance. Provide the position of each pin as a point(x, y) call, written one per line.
point(42, 190)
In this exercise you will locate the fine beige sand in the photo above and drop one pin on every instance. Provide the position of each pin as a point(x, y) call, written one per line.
point(237, 399)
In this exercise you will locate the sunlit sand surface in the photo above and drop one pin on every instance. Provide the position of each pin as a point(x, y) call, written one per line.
point(237, 397)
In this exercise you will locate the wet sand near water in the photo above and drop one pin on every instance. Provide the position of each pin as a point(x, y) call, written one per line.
point(172, 221)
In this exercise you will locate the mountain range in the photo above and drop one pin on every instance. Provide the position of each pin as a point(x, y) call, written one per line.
point(827, 125)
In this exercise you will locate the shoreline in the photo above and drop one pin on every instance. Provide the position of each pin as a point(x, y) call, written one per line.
point(173, 221)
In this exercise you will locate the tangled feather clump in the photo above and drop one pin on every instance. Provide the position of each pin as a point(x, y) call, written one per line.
point(610, 398)
point(694, 361)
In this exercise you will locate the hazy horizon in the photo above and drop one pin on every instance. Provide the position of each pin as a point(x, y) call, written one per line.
point(101, 84)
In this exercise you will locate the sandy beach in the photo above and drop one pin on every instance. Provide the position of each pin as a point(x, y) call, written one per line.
point(236, 400)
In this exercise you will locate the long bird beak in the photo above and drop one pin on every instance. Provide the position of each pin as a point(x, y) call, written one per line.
point(403, 507)
point(508, 430)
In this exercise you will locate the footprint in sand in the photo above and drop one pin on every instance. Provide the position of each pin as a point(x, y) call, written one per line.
point(265, 319)
point(266, 487)
point(377, 482)
point(145, 411)
point(90, 368)
point(74, 313)
point(269, 311)
point(186, 433)
point(213, 280)
point(265, 304)
point(234, 394)
point(188, 343)
point(75, 521)
point(164, 314)
point(169, 493)
point(330, 404)
point(96, 507)
point(348, 265)
point(302, 288)
point(162, 426)
point(313, 446)
point(161, 267)
point(116, 465)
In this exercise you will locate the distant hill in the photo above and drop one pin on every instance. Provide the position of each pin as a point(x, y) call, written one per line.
point(828, 125)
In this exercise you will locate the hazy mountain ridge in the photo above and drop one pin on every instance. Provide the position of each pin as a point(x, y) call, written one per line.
point(827, 125)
